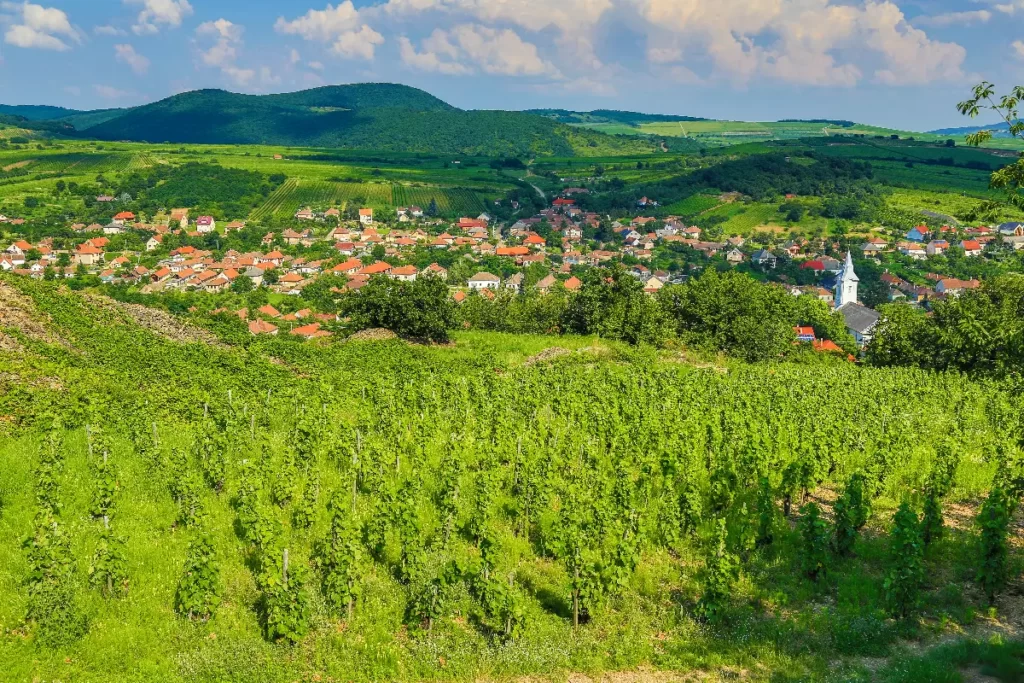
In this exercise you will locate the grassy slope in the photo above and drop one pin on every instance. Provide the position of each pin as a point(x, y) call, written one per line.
point(782, 627)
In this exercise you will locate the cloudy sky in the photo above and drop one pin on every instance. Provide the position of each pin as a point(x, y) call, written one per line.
point(900, 63)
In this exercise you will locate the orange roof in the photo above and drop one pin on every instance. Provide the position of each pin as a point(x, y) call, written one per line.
point(826, 345)
point(572, 284)
point(87, 249)
point(261, 327)
point(459, 296)
point(270, 310)
point(405, 270)
point(365, 212)
point(124, 215)
point(376, 268)
point(512, 251)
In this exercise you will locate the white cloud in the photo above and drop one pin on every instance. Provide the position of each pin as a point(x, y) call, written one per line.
point(798, 41)
point(1018, 49)
point(157, 13)
point(981, 16)
point(468, 47)
point(294, 57)
point(38, 27)
point(360, 44)
point(109, 31)
point(110, 92)
point(227, 38)
point(1011, 7)
point(342, 26)
point(127, 54)
point(316, 66)
point(220, 43)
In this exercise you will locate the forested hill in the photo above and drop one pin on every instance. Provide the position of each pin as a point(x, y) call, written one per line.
point(628, 118)
point(383, 117)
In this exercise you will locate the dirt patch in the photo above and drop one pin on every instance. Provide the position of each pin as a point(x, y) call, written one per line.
point(19, 312)
point(546, 355)
point(642, 676)
point(374, 334)
point(18, 164)
point(160, 322)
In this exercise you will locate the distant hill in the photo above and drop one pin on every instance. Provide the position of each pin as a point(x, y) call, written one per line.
point(629, 118)
point(383, 117)
point(1000, 129)
point(37, 112)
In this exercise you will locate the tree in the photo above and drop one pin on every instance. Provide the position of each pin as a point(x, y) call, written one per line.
point(432, 209)
point(242, 285)
point(422, 309)
point(851, 514)
point(612, 304)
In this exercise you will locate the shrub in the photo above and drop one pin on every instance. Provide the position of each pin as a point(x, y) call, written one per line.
point(906, 573)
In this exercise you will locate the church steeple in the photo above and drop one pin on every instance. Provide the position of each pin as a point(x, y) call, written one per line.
point(846, 284)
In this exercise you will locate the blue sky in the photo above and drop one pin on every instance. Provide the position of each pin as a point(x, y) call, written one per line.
point(902, 64)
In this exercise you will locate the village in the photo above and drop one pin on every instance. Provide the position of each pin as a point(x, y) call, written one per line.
point(543, 252)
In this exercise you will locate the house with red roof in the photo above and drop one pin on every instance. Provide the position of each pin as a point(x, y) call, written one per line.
point(404, 273)
point(971, 248)
point(122, 218)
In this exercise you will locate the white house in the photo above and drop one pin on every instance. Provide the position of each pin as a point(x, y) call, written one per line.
point(366, 216)
point(484, 281)
point(205, 224)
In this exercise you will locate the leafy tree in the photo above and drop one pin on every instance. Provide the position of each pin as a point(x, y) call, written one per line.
point(906, 573)
point(422, 309)
point(242, 285)
point(731, 312)
point(612, 304)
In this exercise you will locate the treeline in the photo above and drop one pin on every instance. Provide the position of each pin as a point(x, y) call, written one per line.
point(981, 331)
point(718, 312)
point(208, 188)
point(761, 177)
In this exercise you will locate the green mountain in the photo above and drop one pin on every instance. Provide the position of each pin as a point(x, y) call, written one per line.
point(383, 117)
point(37, 112)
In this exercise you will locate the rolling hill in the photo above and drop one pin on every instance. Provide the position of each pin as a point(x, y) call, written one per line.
point(382, 117)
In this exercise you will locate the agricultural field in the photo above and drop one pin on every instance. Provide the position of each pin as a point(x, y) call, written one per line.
point(377, 510)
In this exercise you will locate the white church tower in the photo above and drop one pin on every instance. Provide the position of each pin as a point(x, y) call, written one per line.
point(846, 284)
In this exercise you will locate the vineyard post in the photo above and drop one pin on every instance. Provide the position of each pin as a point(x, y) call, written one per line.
point(252, 426)
point(88, 439)
point(284, 568)
point(156, 441)
point(206, 409)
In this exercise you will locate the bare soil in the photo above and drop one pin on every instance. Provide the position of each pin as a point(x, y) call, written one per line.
point(160, 322)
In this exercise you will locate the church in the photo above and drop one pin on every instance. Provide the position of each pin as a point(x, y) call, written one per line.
point(860, 320)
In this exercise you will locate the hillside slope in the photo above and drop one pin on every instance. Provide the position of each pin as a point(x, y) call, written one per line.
point(383, 117)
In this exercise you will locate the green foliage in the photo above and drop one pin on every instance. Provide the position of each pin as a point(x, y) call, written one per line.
point(994, 521)
point(612, 304)
point(199, 588)
point(720, 572)
point(53, 607)
point(284, 598)
point(108, 570)
point(211, 453)
point(766, 512)
point(432, 599)
point(851, 514)
point(814, 538)
point(422, 309)
point(340, 558)
point(978, 332)
point(730, 312)
point(906, 564)
point(106, 487)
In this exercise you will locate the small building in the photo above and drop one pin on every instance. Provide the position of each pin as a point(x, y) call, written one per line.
point(205, 224)
point(764, 258)
point(484, 280)
point(366, 216)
